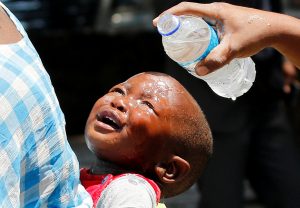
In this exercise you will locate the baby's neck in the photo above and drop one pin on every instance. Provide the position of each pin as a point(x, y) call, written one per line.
point(104, 167)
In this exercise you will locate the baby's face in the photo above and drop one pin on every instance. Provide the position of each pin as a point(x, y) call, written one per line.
point(130, 123)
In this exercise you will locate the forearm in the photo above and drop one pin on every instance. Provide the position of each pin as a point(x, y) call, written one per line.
point(8, 31)
point(287, 37)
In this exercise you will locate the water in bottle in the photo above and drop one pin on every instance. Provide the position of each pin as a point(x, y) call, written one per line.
point(188, 39)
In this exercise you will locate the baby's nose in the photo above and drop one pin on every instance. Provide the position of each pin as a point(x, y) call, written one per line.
point(119, 104)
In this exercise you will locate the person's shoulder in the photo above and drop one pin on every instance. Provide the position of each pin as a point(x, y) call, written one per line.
point(134, 181)
point(128, 189)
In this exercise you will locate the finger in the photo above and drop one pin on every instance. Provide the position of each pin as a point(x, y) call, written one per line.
point(197, 9)
point(216, 59)
point(287, 88)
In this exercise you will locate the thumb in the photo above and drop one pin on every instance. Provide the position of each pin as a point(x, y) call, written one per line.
point(216, 59)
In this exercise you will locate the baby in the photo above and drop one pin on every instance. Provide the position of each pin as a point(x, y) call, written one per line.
point(151, 140)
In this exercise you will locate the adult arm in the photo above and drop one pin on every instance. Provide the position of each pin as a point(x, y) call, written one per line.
point(244, 32)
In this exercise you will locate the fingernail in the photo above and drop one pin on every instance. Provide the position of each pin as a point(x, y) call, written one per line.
point(202, 70)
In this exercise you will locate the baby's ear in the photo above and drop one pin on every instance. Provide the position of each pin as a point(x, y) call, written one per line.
point(173, 171)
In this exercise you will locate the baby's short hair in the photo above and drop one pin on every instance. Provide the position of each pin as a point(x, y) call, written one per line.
point(194, 143)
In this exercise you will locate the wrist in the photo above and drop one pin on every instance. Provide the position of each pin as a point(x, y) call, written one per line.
point(283, 31)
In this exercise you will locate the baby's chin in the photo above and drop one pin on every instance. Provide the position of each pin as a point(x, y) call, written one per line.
point(133, 163)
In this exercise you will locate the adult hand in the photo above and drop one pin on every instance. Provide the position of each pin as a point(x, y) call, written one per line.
point(242, 31)
point(290, 76)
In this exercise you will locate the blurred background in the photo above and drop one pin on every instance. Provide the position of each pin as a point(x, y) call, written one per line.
point(87, 46)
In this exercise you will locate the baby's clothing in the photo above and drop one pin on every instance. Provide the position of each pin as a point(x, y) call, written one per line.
point(124, 190)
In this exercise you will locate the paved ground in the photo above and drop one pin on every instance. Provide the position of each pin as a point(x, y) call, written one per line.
point(189, 198)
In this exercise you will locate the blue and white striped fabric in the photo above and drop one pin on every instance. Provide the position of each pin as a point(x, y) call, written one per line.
point(37, 166)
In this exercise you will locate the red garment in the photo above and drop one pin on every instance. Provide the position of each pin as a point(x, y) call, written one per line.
point(95, 184)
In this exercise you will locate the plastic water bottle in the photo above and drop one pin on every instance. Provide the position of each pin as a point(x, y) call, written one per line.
point(188, 39)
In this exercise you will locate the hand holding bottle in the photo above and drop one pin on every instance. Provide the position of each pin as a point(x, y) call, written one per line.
point(243, 32)
point(189, 39)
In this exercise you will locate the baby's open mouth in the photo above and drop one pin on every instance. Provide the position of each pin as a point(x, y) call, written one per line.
point(109, 119)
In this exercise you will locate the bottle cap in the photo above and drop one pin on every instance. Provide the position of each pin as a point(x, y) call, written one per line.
point(168, 24)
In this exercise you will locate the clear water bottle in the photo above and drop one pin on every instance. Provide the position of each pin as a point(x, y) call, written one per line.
point(188, 39)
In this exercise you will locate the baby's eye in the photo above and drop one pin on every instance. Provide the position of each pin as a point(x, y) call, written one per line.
point(118, 90)
point(145, 102)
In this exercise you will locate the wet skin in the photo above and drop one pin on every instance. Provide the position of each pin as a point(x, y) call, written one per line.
point(131, 125)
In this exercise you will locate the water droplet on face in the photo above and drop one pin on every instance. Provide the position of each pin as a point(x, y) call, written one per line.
point(156, 90)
